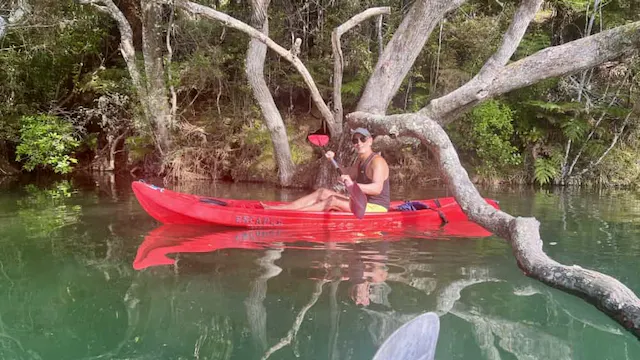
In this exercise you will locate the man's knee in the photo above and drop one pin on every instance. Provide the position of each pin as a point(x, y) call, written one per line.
point(324, 193)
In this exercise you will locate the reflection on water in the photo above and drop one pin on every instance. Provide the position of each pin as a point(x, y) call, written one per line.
point(86, 274)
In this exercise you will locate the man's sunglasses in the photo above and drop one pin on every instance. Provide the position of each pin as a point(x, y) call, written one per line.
point(356, 139)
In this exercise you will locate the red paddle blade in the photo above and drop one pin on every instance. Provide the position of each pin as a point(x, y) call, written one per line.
point(319, 140)
point(357, 200)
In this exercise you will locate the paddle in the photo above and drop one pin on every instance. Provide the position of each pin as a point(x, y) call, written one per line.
point(357, 199)
point(415, 340)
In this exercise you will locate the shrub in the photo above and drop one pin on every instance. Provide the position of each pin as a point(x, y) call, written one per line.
point(46, 141)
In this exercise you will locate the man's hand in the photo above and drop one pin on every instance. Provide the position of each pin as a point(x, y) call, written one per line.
point(346, 179)
point(330, 154)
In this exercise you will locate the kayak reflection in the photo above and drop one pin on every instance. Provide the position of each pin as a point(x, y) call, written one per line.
point(174, 239)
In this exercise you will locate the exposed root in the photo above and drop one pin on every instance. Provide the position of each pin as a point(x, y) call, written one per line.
point(194, 163)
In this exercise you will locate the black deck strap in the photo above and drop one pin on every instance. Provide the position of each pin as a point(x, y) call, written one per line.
point(213, 201)
point(442, 217)
point(437, 202)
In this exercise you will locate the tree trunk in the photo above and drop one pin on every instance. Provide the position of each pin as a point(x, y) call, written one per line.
point(254, 69)
point(401, 52)
point(3, 27)
point(152, 49)
point(151, 91)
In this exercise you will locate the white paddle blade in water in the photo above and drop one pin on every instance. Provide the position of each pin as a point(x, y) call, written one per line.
point(415, 340)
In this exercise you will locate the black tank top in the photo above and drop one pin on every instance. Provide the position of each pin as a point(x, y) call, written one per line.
point(382, 199)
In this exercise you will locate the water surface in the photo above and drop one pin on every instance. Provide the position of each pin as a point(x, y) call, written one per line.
point(85, 273)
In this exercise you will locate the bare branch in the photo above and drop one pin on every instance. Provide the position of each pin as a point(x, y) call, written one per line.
point(512, 38)
point(231, 22)
point(338, 62)
point(613, 143)
point(21, 9)
point(174, 96)
point(523, 234)
point(126, 42)
point(298, 322)
point(474, 90)
point(3, 27)
point(595, 126)
point(551, 62)
point(380, 40)
point(401, 52)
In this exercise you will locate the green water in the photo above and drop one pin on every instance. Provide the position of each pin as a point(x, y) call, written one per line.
point(68, 289)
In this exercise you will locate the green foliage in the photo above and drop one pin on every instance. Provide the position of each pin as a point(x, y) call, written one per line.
point(105, 81)
point(619, 168)
point(532, 43)
point(574, 129)
point(487, 131)
point(65, 59)
point(575, 5)
point(46, 141)
point(353, 88)
point(41, 63)
point(547, 169)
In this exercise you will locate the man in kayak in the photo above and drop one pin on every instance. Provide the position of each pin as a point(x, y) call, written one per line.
point(370, 172)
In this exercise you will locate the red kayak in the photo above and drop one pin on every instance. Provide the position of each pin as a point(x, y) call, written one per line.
point(167, 240)
point(170, 207)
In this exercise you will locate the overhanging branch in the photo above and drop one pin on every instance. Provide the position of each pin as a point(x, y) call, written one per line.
point(231, 22)
point(338, 62)
point(126, 45)
point(523, 234)
point(549, 63)
point(448, 106)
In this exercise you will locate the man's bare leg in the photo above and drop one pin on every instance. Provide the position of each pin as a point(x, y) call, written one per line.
point(306, 201)
point(338, 203)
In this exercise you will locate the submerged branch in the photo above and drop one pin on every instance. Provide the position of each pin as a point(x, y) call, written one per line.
point(298, 322)
point(605, 292)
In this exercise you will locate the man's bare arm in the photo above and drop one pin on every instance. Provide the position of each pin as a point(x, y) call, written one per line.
point(380, 174)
